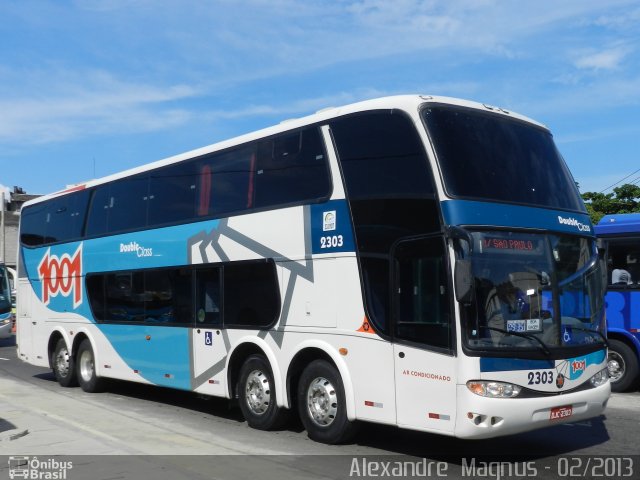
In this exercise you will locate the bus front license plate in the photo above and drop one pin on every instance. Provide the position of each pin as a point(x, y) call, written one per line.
point(559, 413)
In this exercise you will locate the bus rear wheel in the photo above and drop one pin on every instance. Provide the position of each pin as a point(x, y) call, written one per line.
point(622, 364)
point(257, 395)
point(63, 365)
point(86, 368)
point(322, 405)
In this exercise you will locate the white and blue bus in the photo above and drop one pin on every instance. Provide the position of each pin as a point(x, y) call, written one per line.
point(621, 233)
point(417, 261)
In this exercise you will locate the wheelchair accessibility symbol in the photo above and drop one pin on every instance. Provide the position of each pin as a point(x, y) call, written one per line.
point(208, 338)
point(566, 335)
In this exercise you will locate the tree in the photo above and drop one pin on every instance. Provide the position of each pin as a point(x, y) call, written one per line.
point(623, 199)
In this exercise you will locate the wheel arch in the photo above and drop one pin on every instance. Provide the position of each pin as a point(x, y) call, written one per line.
point(317, 350)
point(55, 335)
point(627, 338)
point(85, 334)
point(244, 348)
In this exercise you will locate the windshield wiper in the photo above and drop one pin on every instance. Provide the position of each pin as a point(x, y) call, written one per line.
point(519, 334)
point(589, 330)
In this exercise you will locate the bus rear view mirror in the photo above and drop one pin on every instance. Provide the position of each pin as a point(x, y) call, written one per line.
point(463, 281)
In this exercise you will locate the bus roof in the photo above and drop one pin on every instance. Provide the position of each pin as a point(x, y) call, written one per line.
point(409, 103)
point(618, 223)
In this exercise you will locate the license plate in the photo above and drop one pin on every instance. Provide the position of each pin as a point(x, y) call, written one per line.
point(559, 413)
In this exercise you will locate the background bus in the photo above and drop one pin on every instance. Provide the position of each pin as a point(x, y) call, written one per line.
point(415, 261)
point(6, 303)
point(622, 234)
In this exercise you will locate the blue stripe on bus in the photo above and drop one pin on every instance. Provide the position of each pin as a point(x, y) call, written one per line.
point(467, 212)
point(512, 364)
point(578, 365)
point(575, 366)
point(163, 247)
point(164, 359)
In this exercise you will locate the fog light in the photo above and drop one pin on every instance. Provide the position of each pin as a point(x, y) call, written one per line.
point(493, 389)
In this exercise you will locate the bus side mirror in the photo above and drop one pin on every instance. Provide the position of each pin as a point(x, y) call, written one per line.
point(463, 281)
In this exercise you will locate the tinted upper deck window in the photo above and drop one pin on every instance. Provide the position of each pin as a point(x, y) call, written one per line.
point(61, 219)
point(291, 169)
point(382, 156)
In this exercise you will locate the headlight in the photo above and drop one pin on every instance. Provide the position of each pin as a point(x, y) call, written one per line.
point(4, 321)
point(600, 378)
point(494, 389)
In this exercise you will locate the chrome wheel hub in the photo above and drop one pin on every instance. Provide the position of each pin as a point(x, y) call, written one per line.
point(322, 402)
point(615, 365)
point(62, 362)
point(258, 392)
point(86, 366)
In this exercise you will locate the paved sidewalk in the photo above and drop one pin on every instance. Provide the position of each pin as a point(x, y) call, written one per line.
point(26, 429)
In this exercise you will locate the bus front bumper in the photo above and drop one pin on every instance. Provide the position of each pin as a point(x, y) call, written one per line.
point(480, 417)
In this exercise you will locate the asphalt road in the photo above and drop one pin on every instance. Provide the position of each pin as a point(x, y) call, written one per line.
point(134, 421)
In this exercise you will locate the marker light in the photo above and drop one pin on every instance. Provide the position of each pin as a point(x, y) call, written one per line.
point(600, 378)
point(493, 389)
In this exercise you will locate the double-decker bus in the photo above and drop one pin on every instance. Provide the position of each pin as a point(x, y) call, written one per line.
point(621, 233)
point(417, 261)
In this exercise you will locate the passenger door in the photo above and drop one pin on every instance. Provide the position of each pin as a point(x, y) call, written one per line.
point(423, 329)
point(210, 343)
point(25, 324)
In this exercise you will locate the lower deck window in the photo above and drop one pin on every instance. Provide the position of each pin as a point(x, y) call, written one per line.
point(237, 294)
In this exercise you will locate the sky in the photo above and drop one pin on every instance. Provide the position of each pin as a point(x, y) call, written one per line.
point(92, 87)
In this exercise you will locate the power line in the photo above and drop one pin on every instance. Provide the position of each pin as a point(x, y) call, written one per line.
point(620, 181)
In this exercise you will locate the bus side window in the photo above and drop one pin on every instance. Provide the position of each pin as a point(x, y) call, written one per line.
point(227, 189)
point(65, 217)
point(96, 294)
point(118, 206)
point(127, 204)
point(32, 220)
point(623, 268)
point(172, 194)
point(98, 211)
point(251, 294)
point(291, 168)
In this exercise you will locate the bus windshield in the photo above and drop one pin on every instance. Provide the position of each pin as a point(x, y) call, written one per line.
point(5, 292)
point(489, 156)
point(535, 292)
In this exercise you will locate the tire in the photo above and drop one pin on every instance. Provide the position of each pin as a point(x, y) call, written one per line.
point(622, 363)
point(257, 395)
point(322, 405)
point(63, 365)
point(86, 368)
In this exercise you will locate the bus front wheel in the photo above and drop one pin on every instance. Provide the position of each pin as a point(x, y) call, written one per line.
point(322, 405)
point(257, 395)
point(63, 365)
point(622, 363)
point(86, 365)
